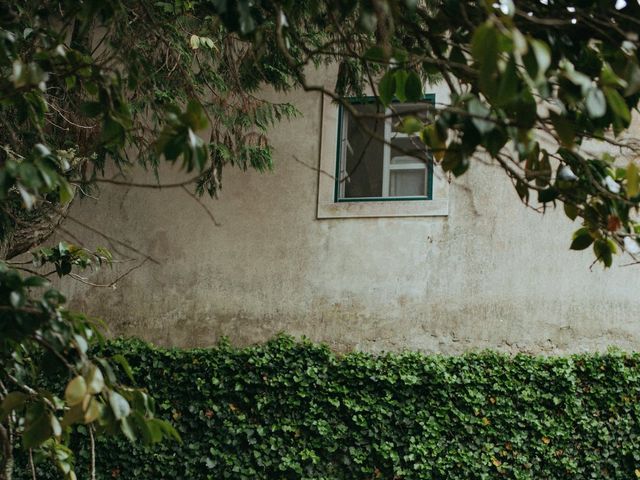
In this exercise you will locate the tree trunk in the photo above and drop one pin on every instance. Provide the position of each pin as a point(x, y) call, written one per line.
point(32, 231)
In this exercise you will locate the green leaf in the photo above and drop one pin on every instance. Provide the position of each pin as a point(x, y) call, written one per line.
point(376, 54)
point(410, 125)
point(564, 129)
point(35, 282)
point(56, 429)
point(542, 54)
point(526, 111)
point(455, 162)
point(75, 391)
point(633, 80)
point(596, 103)
point(12, 401)
point(17, 299)
point(480, 116)
point(617, 105)
point(484, 49)
point(387, 87)
point(484, 44)
point(413, 87)
point(70, 82)
point(93, 412)
point(523, 191)
point(548, 195)
point(66, 192)
point(196, 116)
point(95, 380)
point(603, 252)
point(127, 429)
point(169, 430)
point(581, 239)
point(122, 361)
point(119, 405)
point(430, 136)
point(609, 78)
point(73, 415)
point(401, 80)
point(570, 211)
point(37, 431)
point(509, 82)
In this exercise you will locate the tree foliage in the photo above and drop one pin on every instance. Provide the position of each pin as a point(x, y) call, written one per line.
point(546, 90)
point(85, 85)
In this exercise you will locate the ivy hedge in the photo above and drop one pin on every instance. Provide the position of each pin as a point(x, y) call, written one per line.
point(296, 410)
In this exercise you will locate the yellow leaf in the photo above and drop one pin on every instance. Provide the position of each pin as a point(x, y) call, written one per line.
point(495, 461)
point(92, 412)
point(637, 472)
point(546, 440)
point(194, 41)
point(486, 421)
point(75, 391)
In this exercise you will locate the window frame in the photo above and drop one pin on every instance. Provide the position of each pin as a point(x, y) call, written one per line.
point(387, 167)
point(328, 208)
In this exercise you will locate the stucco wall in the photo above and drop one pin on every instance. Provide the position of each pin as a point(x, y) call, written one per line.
point(490, 274)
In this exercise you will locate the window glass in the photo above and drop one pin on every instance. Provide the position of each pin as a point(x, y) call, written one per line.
point(362, 154)
point(405, 183)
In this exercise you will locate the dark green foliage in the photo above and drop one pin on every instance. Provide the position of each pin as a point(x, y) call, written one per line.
point(296, 410)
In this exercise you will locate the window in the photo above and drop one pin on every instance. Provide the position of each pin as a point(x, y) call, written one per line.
point(370, 169)
point(386, 174)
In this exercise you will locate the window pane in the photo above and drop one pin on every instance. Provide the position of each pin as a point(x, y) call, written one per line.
point(362, 155)
point(407, 183)
point(409, 150)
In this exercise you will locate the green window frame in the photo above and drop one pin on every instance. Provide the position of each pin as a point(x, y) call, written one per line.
point(431, 98)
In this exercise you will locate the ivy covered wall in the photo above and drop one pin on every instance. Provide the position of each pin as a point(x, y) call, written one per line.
point(290, 410)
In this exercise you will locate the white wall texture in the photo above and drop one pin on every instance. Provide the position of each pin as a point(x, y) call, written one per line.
point(492, 274)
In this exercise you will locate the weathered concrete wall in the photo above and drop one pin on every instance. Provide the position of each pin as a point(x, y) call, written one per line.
point(492, 274)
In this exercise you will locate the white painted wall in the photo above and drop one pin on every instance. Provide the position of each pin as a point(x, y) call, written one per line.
point(492, 274)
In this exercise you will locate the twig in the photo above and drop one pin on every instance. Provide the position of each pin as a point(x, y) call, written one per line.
point(92, 444)
point(204, 207)
point(145, 185)
point(31, 464)
point(112, 239)
point(107, 285)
